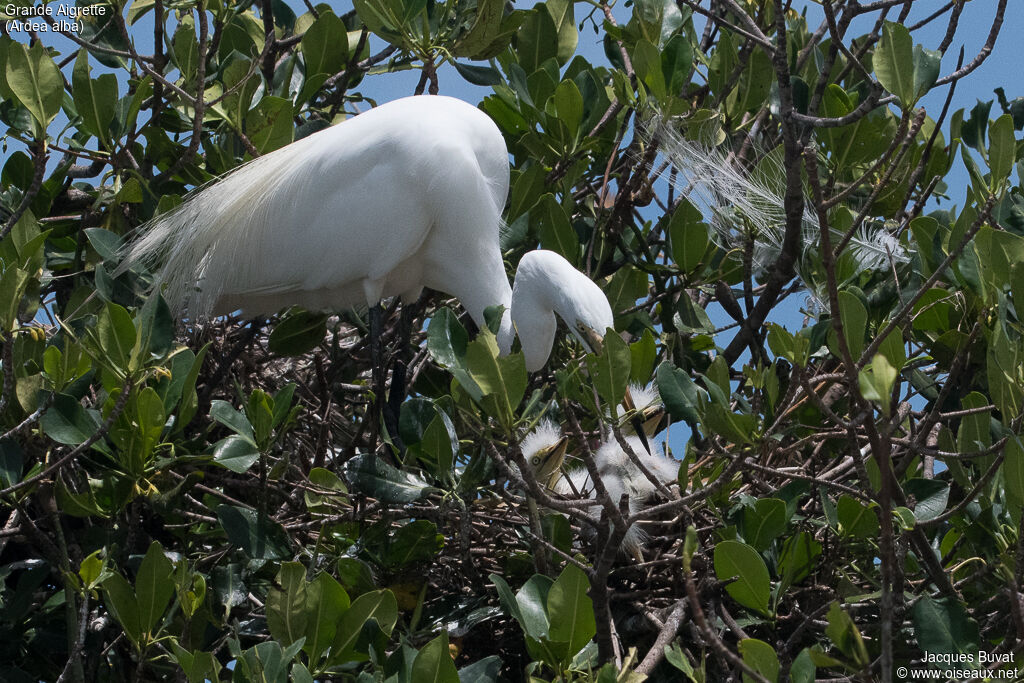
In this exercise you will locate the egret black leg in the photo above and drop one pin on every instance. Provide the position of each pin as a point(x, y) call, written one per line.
point(382, 407)
point(398, 373)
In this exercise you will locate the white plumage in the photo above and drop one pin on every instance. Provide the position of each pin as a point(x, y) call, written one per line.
point(618, 473)
point(405, 196)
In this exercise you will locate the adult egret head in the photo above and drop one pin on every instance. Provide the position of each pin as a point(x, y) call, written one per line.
point(404, 196)
point(547, 284)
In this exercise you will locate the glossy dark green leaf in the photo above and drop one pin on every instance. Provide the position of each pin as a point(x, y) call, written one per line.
point(894, 63)
point(764, 522)
point(269, 124)
point(380, 606)
point(556, 233)
point(94, 98)
point(373, 477)
point(752, 586)
point(932, 496)
point(609, 369)
point(224, 413)
point(417, 541)
point(856, 519)
point(153, 586)
point(236, 452)
point(36, 81)
point(322, 50)
point(433, 663)
point(761, 657)
point(287, 605)
point(67, 422)
point(680, 395)
point(260, 539)
point(944, 626)
point(484, 670)
point(478, 75)
point(570, 610)
point(120, 599)
point(298, 332)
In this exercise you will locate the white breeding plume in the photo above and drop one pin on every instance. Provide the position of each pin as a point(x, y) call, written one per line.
point(741, 203)
point(404, 196)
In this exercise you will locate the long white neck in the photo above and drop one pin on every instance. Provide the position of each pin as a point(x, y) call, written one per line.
point(547, 284)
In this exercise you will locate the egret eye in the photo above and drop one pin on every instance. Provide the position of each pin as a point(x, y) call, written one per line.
point(535, 460)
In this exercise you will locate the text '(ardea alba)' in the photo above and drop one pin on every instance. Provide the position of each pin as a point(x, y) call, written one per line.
point(405, 196)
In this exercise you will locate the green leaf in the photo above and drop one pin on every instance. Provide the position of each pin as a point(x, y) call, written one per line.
point(122, 603)
point(680, 395)
point(562, 16)
point(556, 233)
point(153, 586)
point(926, 70)
point(536, 40)
point(67, 422)
point(484, 30)
point(94, 98)
point(433, 663)
point(647, 63)
point(569, 105)
point(322, 51)
point(13, 284)
point(797, 558)
point(116, 334)
point(379, 605)
point(844, 633)
point(894, 63)
point(236, 452)
point(260, 539)
point(876, 381)
point(761, 657)
point(36, 81)
point(12, 461)
point(269, 124)
point(286, 607)
point(932, 496)
point(532, 600)
point(854, 318)
point(1013, 470)
point(327, 602)
point(974, 435)
point(372, 476)
point(484, 670)
point(689, 236)
point(417, 541)
point(944, 626)
point(224, 412)
point(764, 522)
point(856, 520)
point(185, 50)
point(752, 586)
point(503, 378)
point(571, 611)
point(1002, 150)
point(299, 332)
point(643, 353)
point(610, 369)
point(803, 669)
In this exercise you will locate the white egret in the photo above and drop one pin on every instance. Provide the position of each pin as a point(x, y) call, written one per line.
point(404, 196)
point(544, 450)
point(643, 410)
